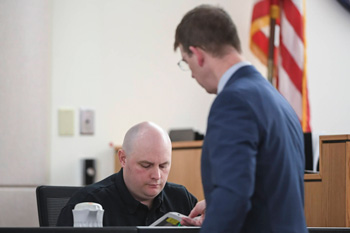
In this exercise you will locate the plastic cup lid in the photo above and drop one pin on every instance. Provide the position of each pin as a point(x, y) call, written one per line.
point(88, 206)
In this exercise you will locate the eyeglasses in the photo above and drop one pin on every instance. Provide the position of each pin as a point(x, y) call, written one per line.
point(183, 65)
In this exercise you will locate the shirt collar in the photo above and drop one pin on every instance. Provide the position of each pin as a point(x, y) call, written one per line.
point(131, 203)
point(228, 74)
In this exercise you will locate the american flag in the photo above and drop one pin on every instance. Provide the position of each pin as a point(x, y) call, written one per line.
point(289, 60)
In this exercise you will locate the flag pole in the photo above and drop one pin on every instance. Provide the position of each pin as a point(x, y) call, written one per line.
point(270, 59)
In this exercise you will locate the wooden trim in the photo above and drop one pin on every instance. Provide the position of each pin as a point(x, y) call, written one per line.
point(347, 185)
point(344, 137)
point(312, 177)
point(187, 145)
point(178, 145)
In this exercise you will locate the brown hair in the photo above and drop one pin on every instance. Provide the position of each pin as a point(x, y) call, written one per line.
point(207, 27)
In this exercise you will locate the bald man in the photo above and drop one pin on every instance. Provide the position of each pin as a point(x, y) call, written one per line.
point(139, 193)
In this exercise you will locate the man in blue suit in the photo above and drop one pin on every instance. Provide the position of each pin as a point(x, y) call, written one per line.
point(253, 152)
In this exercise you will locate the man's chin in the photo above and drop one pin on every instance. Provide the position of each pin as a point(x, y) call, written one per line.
point(153, 192)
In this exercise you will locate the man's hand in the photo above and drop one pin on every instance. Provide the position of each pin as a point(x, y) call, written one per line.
point(197, 215)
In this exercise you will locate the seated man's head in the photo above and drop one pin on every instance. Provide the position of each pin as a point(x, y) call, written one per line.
point(146, 158)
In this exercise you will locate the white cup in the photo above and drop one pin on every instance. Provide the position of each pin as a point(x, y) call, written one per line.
point(87, 214)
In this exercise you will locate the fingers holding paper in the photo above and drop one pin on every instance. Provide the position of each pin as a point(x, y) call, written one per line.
point(197, 215)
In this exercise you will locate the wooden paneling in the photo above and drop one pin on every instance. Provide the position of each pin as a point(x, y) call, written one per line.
point(313, 211)
point(326, 198)
point(116, 160)
point(185, 170)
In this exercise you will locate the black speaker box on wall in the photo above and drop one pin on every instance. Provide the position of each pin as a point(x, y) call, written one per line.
point(89, 172)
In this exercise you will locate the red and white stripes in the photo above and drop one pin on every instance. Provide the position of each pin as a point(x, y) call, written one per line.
point(290, 47)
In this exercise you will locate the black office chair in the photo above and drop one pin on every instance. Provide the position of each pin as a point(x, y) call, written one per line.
point(50, 201)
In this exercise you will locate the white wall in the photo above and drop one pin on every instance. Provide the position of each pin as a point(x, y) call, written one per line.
point(24, 107)
point(328, 35)
point(116, 57)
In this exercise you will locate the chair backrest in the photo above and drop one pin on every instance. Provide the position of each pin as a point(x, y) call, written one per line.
point(50, 201)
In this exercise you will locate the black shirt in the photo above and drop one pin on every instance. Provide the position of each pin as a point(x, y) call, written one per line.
point(120, 207)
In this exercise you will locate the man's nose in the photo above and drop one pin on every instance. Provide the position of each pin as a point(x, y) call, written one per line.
point(155, 173)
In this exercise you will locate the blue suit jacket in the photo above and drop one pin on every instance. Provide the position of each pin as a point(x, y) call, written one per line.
point(253, 160)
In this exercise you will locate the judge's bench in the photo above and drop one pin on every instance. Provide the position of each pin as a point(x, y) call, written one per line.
point(327, 193)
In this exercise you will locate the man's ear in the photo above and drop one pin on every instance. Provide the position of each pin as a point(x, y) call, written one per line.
point(198, 52)
point(122, 157)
